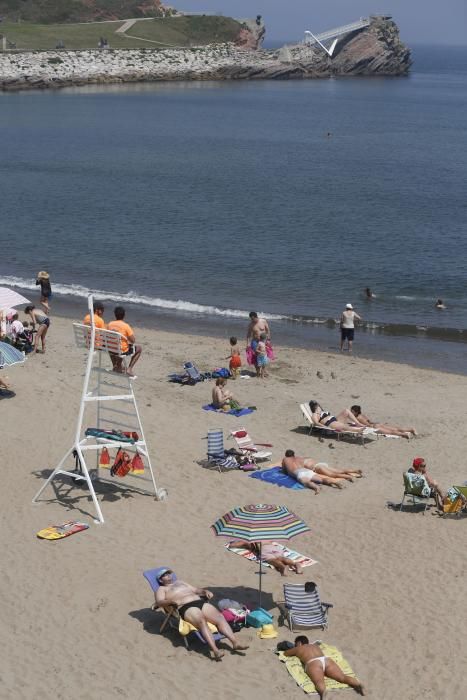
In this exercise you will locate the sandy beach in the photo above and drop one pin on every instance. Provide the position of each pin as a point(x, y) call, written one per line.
point(77, 622)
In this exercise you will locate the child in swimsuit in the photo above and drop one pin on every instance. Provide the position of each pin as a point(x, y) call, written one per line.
point(261, 357)
point(235, 363)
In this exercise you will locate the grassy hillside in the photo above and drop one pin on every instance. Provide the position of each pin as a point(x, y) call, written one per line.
point(58, 11)
point(150, 33)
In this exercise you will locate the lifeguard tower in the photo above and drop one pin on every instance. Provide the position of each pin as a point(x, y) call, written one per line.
point(108, 404)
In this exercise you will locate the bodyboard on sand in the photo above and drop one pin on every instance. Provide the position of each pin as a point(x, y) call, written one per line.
point(295, 668)
point(289, 553)
point(58, 532)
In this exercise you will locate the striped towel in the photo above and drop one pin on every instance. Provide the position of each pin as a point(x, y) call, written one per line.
point(289, 553)
point(295, 668)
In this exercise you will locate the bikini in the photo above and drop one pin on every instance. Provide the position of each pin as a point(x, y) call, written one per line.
point(330, 419)
point(192, 604)
point(322, 659)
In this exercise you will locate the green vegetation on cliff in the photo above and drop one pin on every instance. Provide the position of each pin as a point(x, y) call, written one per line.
point(147, 34)
point(59, 11)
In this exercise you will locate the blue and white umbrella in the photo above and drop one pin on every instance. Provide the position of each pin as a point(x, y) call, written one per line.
point(10, 355)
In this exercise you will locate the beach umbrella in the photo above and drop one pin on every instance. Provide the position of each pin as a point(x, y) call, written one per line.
point(259, 523)
point(9, 298)
point(10, 355)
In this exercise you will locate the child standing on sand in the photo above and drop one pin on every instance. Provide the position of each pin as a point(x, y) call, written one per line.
point(261, 357)
point(235, 363)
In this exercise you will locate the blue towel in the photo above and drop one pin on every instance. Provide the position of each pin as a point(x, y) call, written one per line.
point(234, 412)
point(275, 475)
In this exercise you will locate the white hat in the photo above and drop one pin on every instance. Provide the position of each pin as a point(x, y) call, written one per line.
point(348, 306)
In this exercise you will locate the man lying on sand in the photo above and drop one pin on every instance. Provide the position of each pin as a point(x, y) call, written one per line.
point(356, 417)
point(192, 604)
point(310, 473)
point(318, 666)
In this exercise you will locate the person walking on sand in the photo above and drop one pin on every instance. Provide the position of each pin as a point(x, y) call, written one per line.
point(194, 607)
point(235, 363)
point(318, 667)
point(43, 279)
point(42, 322)
point(348, 326)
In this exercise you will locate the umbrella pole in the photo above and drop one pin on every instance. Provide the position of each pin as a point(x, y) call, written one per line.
point(260, 572)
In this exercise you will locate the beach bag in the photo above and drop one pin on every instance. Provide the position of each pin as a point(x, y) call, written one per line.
point(122, 464)
point(104, 459)
point(250, 355)
point(258, 618)
point(270, 351)
point(222, 372)
point(137, 464)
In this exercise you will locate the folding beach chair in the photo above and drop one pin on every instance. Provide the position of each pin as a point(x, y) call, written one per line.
point(247, 447)
point(303, 607)
point(172, 618)
point(416, 490)
point(217, 455)
point(193, 372)
point(367, 434)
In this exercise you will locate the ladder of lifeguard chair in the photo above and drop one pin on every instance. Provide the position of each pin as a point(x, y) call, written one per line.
point(99, 343)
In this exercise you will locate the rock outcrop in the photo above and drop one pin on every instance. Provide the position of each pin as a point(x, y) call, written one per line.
point(375, 50)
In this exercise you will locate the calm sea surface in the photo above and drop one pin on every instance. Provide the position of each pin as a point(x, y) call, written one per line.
point(201, 201)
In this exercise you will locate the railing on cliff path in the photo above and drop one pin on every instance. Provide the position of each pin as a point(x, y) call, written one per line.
point(311, 38)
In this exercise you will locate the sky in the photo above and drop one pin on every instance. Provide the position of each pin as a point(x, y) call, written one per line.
point(419, 21)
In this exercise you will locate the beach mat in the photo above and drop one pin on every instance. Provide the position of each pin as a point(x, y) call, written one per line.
point(58, 532)
point(276, 476)
point(289, 553)
point(295, 668)
point(238, 412)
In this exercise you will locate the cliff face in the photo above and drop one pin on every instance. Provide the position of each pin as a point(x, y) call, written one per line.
point(375, 50)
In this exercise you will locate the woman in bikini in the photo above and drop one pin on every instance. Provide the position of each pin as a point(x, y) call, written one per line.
point(326, 420)
point(40, 320)
point(271, 553)
point(319, 667)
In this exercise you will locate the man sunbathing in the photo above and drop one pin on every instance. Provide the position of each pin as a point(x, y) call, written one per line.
point(356, 417)
point(310, 473)
point(272, 553)
point(317, 666)
point(193, 606)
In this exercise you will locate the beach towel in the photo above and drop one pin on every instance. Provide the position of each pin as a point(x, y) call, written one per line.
point(289, 553)
point(295, 668)
point(237, 412)
point(276, 476)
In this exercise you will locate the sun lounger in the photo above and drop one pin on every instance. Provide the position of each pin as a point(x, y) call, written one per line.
point(172, 617)
point(247, 447)
point(367, 434)
point(456, 501)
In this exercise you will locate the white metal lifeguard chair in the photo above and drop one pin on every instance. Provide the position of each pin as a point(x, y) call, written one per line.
point(109, 388)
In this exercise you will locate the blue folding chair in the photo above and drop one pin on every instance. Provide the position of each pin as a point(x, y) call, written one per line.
point(216, 452)
point(303, 606)
point(193, 372)
point(172, 616)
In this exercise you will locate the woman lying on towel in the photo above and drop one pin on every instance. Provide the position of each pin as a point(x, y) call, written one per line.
point(325, 419)
point(356, 417)
point(221, 396)
point(272, 553)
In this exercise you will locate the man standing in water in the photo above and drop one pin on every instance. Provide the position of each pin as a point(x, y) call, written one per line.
point(348, 326)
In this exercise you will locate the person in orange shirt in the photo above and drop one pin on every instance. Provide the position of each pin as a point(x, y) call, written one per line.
point(98, 308)
point(128, 342)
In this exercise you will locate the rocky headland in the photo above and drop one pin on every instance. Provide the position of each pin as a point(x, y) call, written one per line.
point(372, 50)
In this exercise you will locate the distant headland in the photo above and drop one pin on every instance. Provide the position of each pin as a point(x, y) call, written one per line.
point(167, 45)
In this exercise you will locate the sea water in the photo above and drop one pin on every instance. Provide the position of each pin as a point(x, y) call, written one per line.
point(201, 201)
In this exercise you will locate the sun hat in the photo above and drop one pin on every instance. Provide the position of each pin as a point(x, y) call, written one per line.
point(267, 632)
point(42, 275)
point(164, 571)
point(418, 462)
point(348, 306)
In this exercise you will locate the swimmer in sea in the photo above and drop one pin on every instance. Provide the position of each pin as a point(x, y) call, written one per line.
point(440, 304)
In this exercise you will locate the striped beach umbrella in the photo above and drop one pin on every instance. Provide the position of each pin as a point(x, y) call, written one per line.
point(259, 523)
point(10, 355)
point(9, 298)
